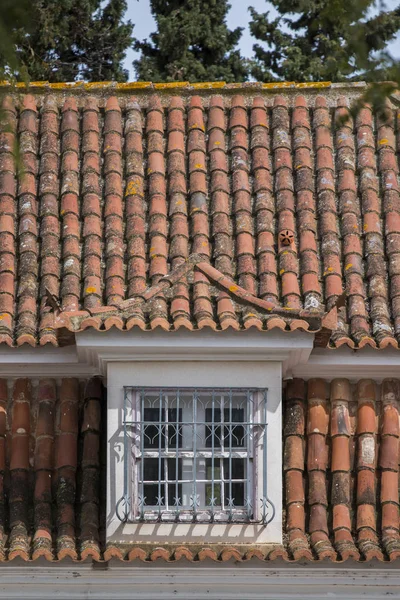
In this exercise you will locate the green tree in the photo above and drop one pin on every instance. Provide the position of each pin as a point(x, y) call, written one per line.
point(70, 40)
point(192, 43)
point(14, 15)
point(324, 40)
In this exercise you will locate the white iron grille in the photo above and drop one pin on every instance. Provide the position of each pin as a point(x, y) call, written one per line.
point(197, 455)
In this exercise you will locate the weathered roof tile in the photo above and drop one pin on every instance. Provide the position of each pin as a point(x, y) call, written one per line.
point(284, 194)
point(339, 503)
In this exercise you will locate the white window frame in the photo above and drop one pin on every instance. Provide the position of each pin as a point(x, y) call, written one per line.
point(189, 504)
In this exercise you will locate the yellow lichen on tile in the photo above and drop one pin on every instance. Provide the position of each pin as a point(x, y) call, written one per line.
point(94, 85)
point(277, 86)
point(39, 84)
point(133, 85)
point(314, 84)
point(66, 86)
point(208, 85)
point(171, 85)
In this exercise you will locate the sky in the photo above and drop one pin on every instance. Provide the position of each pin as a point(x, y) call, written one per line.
point(238, 16)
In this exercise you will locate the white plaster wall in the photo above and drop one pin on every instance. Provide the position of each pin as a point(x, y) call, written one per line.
point(193, 374)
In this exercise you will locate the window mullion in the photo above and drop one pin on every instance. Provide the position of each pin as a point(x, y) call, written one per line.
point(187, 444)
point(222, 440)
point(143, 432)
point(160, 459)
point(194, 492)
point(201, 473)
point(249, 438)
point(212, 499)
point(166, 438)
point(230, 499)
point(177, 500)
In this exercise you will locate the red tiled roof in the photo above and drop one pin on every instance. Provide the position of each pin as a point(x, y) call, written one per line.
point(285, 198)
point(50, 492)
point(341, 457)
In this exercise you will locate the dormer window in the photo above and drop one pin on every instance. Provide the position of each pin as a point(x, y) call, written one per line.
point(198, 455)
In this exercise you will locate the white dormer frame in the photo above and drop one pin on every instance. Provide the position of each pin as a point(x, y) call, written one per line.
point(244, 359)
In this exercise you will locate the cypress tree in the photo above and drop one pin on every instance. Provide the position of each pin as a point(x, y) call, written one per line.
point(74, 39)
point(323, 40)
point(15, 15)
point(192, 43)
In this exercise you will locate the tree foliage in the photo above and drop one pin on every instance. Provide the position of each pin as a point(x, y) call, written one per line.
point(324, 40)
point(67, 40)
point(192, 43)
point(14, 15)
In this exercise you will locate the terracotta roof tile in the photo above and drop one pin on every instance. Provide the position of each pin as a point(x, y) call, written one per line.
point(340, 472)
point(343, 417)
point(280, 190)
point(50, 429)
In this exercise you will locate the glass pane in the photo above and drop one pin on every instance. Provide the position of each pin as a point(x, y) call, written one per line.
point(238, 468)
point(150, 469)
point(151, 432)
point(237, 494)
point(234, 436)
point(236, 433)
point(151, 494)
point(237, 488)
point(216, 430)
point(174, 429)
point(213, 472)
point(172, 482)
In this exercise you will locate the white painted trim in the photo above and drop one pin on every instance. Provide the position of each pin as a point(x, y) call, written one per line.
point(351, 364)
point(101, 348)
point(94, 350)
point(253, 580)
point(46, 361)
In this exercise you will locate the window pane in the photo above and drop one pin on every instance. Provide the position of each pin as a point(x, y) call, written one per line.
point(213, 433)
point(172, 478)
point(152, 432)
point(150, 469)
point(174, 429)
point(236, 488)
point(237, 494)
point(213, 473)
point(150, 494)
point(237, 468)
point(234, 435)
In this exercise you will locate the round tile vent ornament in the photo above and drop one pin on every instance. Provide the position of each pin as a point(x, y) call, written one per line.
point(286, 238)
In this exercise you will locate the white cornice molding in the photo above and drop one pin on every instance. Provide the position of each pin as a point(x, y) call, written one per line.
point(94, 350)
point(43, 362)
point(351, 364)
point(101, 348)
